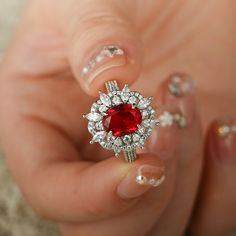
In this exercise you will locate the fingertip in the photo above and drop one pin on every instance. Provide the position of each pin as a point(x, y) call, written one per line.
point(103, 49)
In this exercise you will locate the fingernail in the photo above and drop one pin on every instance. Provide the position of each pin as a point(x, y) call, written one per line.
point(108, 57)
point(140, 181)
point(180, 92)
point(181, 84)
point(223, 143)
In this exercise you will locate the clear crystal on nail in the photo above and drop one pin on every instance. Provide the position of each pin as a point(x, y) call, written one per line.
point(166, 119)
point(85, 70)
point(99, 58)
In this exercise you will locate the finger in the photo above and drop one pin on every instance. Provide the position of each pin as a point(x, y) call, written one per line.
point(61, 187)
point(102, 44)
point(179, 90)
point(215, 211)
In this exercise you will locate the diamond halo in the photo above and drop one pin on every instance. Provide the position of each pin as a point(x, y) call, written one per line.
point(129, 141)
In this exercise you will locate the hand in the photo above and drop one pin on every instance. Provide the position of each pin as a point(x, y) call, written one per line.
point(46, 140)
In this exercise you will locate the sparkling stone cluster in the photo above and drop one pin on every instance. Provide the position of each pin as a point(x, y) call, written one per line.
point(121, 120)
point(107, 51)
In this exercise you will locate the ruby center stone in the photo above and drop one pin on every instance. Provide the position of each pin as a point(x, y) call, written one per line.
point(122, 119)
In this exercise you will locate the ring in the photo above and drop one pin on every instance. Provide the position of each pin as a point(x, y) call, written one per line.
point(121, 120)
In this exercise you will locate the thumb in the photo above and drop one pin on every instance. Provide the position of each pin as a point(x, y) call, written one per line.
point(103, 44)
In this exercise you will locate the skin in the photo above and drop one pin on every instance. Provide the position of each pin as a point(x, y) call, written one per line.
point(43, 97)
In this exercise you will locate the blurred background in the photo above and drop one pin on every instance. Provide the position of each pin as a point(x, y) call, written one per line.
point(16, 218)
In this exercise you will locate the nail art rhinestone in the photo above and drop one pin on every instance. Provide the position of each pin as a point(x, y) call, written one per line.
point(140, 179)
point(180, 84)
point(166, 119)
point(106, 51)
point(225, 129)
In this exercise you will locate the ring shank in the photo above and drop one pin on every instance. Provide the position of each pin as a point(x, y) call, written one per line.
point(130, 155)
point(112, 86)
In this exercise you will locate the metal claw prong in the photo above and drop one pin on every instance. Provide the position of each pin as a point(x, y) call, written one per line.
point(117, 154)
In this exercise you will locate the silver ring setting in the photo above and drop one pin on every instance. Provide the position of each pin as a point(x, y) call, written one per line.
point(121, 120)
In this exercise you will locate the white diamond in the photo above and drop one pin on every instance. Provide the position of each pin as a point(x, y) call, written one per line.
point(136, 137)
point(150, 123)
point(166, 119)
point(93, 117)
point(116, 100)
point(118, 142)
point(105, 99)
point(145, 114)
point(127, 139)
point(126, 89)
point(152, 111)
point(146, 123)
point(99, 136)
point(133, 100)
point(99, 125)
point(110, 137)
point(154, 122)
point(141, 129)
point(102, 108)
point(144, 103)
point(117, 150)
point(91, 127)
point(125, 96)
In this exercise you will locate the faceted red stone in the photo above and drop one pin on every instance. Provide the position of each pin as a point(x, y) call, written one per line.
point(122, 119)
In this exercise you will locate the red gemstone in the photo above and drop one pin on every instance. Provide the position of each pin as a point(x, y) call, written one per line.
point(122, 119)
